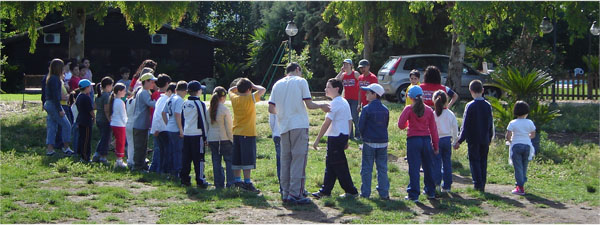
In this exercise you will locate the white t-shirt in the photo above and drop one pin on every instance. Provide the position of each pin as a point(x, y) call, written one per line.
point(158, 124)
point(447, 125)
point(74, 111)
point(520, 129)
point(174, 105)
point(339, 115)
point(273, 125)
point(288, 96)
point(119, 115)
point(130, 106)
point(190, 113)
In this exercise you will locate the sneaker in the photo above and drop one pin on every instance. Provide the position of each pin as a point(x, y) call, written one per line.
point(349, 195)
point(444, 190)
point(203, 185)
point(120, 164)
point(518, 191)
point(250, 187)
point(103, 160)
point(68, 152)
point(297, 200)
point(305, 193)
point(50, 153)
point(430, 196)
point(238, 185)
point(319, 195)
point(413, 200)
point(96, 158)
point(385, 198)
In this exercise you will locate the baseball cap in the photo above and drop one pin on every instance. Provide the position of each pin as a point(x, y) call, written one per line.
point(415, 91)
point(363, 63)
point(147, 70)
point(378, 89)
point(349, 61)
point(84, 83)
point(194, 86)
point(147, 76)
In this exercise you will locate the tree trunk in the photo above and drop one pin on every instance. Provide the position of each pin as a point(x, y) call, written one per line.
point(368, 39)
point(76, 33)
point(527, 39)
point(455, 66)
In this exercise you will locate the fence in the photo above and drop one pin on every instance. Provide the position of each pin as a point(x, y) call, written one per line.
point(573, 88)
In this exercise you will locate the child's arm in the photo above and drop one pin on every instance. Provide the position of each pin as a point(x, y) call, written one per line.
point(509, 136)
point(164, 117)
point(463, 135)
point(532, 135)
point(403, 120)
point(435, 138)
point(453, 100)
point(311, 105)
point(261, 90)
point(178, 120)
point(232, 89)
point(362, 122)
point(340, 75)
point(107, 112)
point(324, 128)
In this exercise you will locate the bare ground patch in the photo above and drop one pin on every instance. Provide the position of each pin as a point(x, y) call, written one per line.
point(283, 215)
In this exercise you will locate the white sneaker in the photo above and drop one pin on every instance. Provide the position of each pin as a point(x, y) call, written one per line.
point(68, 151)
point(445, 190)
point(120, 164)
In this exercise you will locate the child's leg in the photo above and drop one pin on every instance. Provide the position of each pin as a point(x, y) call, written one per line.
point(484, 159)
point(75, 137)
point(414, 147)
point(383, 183)
point(297, 165)
point(237, 158)
point(475, 163)
point(218, 172)
point(140, 139)
point(436, 167)
point(426, 157)
point(165, 153)
point(186, 156)
point(130, 148)
point(341, 168)
point(155, 166)
point(366, 170)
point(248, 146)
point(517, 158)
point(328, 179)
point(226, 153)
point(198, 159)
point(102, 147)
point(85, 134)
point(446, 153)
point(176, 144)
point(119, 133)
point(285, 163)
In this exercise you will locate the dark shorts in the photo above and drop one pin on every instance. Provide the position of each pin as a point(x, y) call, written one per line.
point(244, 153)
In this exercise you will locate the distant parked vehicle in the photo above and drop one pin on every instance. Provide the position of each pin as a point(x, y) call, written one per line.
point(394, 78)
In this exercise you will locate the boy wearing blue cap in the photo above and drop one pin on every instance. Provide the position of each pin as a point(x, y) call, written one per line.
point(85, 119)
point(373, 124)
point(194, 136)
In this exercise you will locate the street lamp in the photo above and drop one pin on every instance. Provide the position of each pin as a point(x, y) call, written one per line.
point(291, 30)
point(546, 26)
point(595, 29)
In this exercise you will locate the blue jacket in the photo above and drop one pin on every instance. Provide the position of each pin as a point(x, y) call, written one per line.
point(478, 123)
point(373, 123)
point(53, 92)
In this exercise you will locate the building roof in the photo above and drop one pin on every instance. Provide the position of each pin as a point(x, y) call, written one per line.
point(53, 26)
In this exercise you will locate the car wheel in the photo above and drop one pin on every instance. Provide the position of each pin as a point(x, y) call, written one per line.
point(492, 92)
point(401, 93)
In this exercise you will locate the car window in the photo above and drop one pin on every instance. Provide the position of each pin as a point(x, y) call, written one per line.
point(468, 70)
point(419, 63)
point(390, 63)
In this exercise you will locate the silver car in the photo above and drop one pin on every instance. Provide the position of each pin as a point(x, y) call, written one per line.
point(394, 78)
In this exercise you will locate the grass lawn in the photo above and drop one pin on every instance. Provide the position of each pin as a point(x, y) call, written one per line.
point(39, 189)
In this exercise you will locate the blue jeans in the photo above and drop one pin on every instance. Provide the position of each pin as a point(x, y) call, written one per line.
point(105, 130)
point(520, 160)
point(58, 141)
point(379, 157)
point(442, 164)
point(354, 111)
point(164, 159)
point(155, 165)
point(175, 148)
point(53, 121)
point(221, 149)
point(418, 150)
point(277, 142)
point(75, 137)
point(478, 156)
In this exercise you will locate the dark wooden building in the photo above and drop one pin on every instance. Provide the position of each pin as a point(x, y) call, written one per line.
point(181, 53)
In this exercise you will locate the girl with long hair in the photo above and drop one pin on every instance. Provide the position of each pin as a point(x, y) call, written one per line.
point(447, 128)
point(118, 118)
point(56, 115)
point(220, 137)
point(149, 64)
point(102, 121)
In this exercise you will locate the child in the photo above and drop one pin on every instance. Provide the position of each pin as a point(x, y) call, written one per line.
point(220, 137)
point(415, 76)
point(337, 128)
point(158, 124)
point(171, 115)
point(447, 128)
point(421, 137)
point(276, 135)
point(373, 124)
point(75, 76)
point(142, 121)
point(75, 113)
point(478, 130)
point(118, 118)
point(130, 108)
point(194, 136)
point(519, 133)
point(349, 77)
point(124, 71)
point(102, 107)
point(243, 102)
point(85, 118)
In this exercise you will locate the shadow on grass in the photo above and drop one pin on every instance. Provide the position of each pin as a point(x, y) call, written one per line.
point(249, 199)
point(351, 205)
point(534, 199)
point(391, 205)
point(309, 212)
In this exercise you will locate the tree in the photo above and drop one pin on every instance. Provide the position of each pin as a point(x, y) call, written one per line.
point(359, 20)
point(27, 16)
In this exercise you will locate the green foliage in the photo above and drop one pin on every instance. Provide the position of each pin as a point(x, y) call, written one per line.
point(592, 64)
point(478, 56)
point(524, 58)
point(303, 60)
point(577, 119)
point(3, 63)
point(227, 72)
point(336, 55)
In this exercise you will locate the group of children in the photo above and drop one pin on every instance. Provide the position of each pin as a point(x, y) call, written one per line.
point(182, 130)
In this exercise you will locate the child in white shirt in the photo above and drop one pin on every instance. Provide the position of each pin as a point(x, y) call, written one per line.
point(519, 133)
point(118, 120)
point(447, 128)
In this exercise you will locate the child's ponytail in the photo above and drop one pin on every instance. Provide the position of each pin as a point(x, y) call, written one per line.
point(439, 99)
point(218, 93)
point(103, 83)
point(418, 107)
